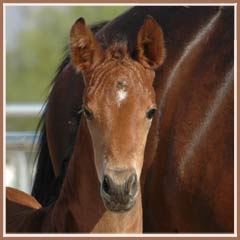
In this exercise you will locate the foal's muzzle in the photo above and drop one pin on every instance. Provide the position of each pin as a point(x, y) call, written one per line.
point(119, 190)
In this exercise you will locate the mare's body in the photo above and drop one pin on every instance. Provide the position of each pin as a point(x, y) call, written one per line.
point(187, 176)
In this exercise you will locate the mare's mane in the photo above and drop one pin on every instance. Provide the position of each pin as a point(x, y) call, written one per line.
point(44, 169)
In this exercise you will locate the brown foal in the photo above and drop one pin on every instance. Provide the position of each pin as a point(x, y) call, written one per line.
point(101, 190)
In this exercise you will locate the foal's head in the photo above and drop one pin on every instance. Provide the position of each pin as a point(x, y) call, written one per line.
point(119, 104)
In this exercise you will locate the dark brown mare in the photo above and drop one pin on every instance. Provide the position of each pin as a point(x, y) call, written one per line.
point(100, 192)
point(187, 174)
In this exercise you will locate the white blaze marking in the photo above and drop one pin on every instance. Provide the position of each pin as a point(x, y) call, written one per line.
point(121, 95)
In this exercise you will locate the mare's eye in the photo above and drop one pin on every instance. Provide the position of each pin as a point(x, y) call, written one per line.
point(88, 113)
point(150, 113)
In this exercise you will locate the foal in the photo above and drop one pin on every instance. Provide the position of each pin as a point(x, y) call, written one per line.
point(118, 105)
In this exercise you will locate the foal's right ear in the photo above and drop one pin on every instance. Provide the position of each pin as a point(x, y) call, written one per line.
point(84, 49)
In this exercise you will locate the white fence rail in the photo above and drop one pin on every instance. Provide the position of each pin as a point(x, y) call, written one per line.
point(23, 140)
point(24, 110)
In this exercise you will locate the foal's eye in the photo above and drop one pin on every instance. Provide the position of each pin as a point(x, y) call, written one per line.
point(150, 113)
point(88, 113)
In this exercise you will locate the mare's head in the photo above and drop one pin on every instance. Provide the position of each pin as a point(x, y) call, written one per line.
point(119, 104)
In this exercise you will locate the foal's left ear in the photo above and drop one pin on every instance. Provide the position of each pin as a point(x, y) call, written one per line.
point(150, 44)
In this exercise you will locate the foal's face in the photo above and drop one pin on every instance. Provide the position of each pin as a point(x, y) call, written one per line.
point(119, 103)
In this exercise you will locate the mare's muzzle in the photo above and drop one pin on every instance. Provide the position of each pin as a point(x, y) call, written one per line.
point(119, 190)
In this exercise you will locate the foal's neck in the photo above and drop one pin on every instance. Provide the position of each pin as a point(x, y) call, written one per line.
point(80, 207)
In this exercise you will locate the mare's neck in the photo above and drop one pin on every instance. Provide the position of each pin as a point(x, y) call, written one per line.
point(79, 207)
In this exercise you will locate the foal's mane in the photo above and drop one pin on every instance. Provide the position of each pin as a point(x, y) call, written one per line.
point(46, 186)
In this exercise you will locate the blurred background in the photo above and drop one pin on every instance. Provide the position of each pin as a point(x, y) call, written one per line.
point(35, 40)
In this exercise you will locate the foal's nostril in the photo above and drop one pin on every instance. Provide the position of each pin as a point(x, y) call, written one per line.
point(106, 184)
point(131, 185)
